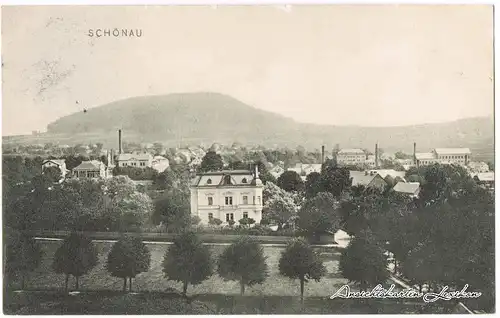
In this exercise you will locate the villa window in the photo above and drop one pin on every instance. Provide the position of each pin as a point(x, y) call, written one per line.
point(209, 181)
point(229, 200)
point(258, 200)
point(245, 215)
point(210, 201)
point(245, 199)
point(229, 216)
point(143, 164)
point(210, 216)
point(244, 180)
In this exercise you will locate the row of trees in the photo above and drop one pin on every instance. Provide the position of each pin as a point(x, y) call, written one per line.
point(186, 261)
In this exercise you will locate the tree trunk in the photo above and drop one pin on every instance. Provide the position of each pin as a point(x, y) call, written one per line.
point(77, 282)
point(130, 284)
point(124, 284)
point(184, 288)
point(242, 287)
point(302, 289)
point(23, 278)
point(66, 279)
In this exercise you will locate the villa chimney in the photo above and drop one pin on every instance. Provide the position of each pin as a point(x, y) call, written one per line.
point(322, 154)
point(119, 141)
point(376, 155)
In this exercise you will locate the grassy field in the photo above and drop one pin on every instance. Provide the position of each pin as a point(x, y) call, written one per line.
point(154, 280)
point(108, 302)
point(153, 294)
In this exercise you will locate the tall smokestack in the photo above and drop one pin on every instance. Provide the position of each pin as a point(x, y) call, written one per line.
point(376, 155)
point(415, 153)
point(119, 141)
point(322, 154)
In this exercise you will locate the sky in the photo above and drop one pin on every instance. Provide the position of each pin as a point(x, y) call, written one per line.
point(388, 65)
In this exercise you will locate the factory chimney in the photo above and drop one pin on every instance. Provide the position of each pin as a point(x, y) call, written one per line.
point(322, 154)
point(119, 141)
point(376, 156)
point(415, 153)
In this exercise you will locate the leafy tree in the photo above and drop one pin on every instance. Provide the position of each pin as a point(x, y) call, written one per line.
point(215, 221)
point(279, 205)
point(231, 222)
point(290, 181)
point(173, 210)
point(334, 179)
point(402, 155)
point(164, 180)
point(300, 261)
point(319, 215)
point(195, 220)
point(313, 185)
point(136, 173)
point(363, 262)
point(238, 165)
point(23, 255)
point(187, 261)
point(243, 261)
point(211, 162)
point(128, 257)
point(360, 208)
point(52, 173)
point(76, 256)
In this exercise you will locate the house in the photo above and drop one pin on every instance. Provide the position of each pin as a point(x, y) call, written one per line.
point(388, 172)
point(58, 163)
point(276, 171)
point(368, 180)
point(460, 156)
point(139, 160)
point(410, 188)
point(160, 163)
point(425, 158)
point(351, 157)
point(486, 180)
point(227, 195)
point(91, 169)
point(478, 167)
point(308, 168)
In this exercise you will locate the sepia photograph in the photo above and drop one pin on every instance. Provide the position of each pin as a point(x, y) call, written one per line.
point(248, 159)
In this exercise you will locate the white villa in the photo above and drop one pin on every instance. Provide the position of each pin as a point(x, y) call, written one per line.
point(460, 156)
point(227, 195)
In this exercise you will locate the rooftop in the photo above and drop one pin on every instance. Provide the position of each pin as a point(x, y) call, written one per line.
point(60, 162)
point(133, 156)
point(351, 150)
point(407, 187)
point(452, 151)
point(221, 172)
point(425, 156)
point(89, 165)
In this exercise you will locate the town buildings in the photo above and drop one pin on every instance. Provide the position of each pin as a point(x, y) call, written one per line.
point(58, 163)
point(412, 189)
point(351, 157)
point(227, 195)
point(368, 180)
point(91, 169)
point(137, 160)
point(460, 156)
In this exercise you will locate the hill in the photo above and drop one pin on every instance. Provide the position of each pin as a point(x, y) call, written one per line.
point(196, 118)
